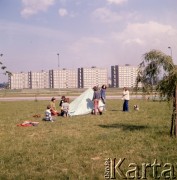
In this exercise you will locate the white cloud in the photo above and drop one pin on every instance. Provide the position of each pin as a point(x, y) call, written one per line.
point(62, 12)
point(106, 16)
point(149, 27)
point(150, 30)
point(143, 33)
point(118, 2)
point(32, 7)
point(134, 41)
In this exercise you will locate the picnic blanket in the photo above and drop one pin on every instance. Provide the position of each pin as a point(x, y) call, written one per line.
point(28, 123)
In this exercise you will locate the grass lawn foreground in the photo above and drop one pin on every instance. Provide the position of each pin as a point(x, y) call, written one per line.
point(77, 147)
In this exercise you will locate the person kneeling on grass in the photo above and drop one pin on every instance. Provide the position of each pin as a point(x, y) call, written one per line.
point(48, 115)
point(65, 108)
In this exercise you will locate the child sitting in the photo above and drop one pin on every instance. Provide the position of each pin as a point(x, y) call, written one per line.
point(48, 115)
point(65, 108)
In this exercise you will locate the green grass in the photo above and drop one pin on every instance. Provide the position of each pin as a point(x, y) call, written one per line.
point(76, 147)
point(52, 92)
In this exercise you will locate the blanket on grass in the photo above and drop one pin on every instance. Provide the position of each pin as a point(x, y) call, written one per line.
point(28, 123)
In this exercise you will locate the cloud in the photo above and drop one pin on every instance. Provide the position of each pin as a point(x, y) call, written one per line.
point(105, 15)
point(150, 27)
point(150, 34)
point(134, 41)
point(62, 12)
point(118, 2)
point(32, 7)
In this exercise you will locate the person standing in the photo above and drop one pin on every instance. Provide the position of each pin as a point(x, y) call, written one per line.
point(96, 98)
point(126, 98)
point(103, 95)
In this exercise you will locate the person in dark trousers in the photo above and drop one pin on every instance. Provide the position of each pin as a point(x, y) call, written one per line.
point(126, 98)
point(103, 95)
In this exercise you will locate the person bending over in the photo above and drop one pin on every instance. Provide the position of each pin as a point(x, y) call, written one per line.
point(96, 98)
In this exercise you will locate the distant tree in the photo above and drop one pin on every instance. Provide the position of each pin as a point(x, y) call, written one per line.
point(158, 72)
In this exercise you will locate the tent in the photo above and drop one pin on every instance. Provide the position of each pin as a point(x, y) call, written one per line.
point(83, 104)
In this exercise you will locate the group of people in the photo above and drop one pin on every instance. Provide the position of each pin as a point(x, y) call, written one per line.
point(98, 95)
point(101, 94)
point(51, 110)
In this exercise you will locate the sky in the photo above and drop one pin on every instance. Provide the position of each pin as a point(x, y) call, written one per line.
point(84, 33)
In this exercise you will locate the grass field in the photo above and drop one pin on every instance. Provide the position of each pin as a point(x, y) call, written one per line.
point(53, 92)
point(77, 147)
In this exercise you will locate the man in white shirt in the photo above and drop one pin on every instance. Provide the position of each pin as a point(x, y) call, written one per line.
point(126, 98)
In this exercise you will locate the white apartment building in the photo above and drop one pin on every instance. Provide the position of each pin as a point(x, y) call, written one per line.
point(30, 80)
point(90, 77)
point(123, 76)
point(39, 80)
point(63, 78)
point(18, 81)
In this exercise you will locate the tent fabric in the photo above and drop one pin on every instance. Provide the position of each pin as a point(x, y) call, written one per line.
point(83, 104)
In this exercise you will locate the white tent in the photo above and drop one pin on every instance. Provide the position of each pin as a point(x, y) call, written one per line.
point(83, 104)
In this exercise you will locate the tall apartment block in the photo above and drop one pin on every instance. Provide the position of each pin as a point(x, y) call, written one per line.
point(39, 80)
point(64, 78)
point(123, 76)
point(90, 77)
point(30, 80)
point(18, 81)
point(61, 78)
